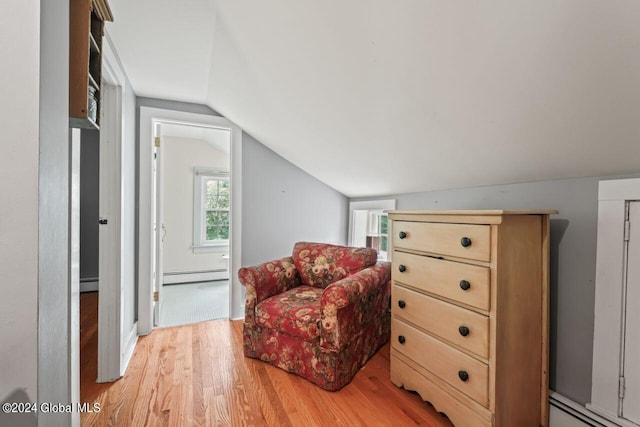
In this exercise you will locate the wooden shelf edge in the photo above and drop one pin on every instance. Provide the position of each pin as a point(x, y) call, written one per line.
point(77, 122)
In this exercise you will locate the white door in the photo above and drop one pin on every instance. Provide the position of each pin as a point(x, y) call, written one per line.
point(631, 367)
point(117, 327)
point(110, 235)
point(158, 226)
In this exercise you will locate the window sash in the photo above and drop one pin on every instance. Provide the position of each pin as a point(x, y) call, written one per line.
point(201, 211)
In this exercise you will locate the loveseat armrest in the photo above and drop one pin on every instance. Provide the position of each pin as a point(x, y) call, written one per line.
point(266, 280)
point(350, 304)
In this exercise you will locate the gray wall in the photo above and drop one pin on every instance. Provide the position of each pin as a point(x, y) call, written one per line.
point(573, 260)
point(89, 202)
point(282, 204)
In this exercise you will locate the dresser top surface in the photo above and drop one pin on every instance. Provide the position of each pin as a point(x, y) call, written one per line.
point(489, 212)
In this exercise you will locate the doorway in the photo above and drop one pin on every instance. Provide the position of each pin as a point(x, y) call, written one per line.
point(192, 189)
point(150, 231)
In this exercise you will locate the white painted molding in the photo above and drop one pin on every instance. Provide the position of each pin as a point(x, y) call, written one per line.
point(571, 414)
point(612, 196)
point(129, 347)
point(192, 277)
point(619, 189)
point(148, 116)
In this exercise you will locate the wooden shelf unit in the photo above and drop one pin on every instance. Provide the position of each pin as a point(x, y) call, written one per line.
point(86, 30)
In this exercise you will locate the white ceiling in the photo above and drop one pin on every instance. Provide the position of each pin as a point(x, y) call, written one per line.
point(220, 139)
point(380, 98)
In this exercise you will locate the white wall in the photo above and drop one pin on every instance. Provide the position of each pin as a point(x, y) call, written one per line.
point(179, 157)
point(19, 121)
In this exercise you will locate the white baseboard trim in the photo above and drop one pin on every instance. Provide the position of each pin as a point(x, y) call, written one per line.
point(129, 347)
point(194, 276)
point(89, 284)
point(564, 412)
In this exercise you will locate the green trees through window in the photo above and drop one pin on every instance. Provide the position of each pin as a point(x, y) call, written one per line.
point(217, 199)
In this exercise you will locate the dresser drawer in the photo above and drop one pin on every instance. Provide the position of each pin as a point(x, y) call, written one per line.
point(445, 239)
point(457, 325)
point(468, 284)
point(463, 372)
point(461, 414)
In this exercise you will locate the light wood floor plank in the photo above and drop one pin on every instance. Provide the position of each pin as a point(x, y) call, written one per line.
point(197, 375)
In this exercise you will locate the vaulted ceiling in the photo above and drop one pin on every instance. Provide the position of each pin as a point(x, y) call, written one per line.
point(377, 98)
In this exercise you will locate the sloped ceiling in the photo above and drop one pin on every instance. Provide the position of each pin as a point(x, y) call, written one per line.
point(377, 98)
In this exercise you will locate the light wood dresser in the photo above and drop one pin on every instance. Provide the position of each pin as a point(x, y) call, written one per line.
point(469, 327)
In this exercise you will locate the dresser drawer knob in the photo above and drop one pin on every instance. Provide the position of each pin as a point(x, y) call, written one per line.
point(401, 339)
point(402, 268)
point(464, 285)
point(402, 304)
point(465, 242)
point(464, 331)
point(402, 234)
point(464, 376)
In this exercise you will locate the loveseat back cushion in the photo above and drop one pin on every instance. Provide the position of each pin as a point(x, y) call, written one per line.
point(321, 264)
point(295, 312)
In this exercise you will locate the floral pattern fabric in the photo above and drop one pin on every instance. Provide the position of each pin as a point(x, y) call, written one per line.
point(325, 331)
point(321, 264)
point(295, 312)
point(354, 302)
point(266, 280)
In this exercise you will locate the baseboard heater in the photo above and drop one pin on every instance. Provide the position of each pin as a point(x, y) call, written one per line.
point(89, 284)
point(575, 410)
point(194, 276)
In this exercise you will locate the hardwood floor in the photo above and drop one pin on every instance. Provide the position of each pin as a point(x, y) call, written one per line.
point(197, 375)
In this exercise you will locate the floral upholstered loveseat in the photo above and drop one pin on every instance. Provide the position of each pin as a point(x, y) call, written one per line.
point(321, 313)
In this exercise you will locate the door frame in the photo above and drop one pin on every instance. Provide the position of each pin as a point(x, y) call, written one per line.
point(609, 297)
point(149, 116)
point(115, 345)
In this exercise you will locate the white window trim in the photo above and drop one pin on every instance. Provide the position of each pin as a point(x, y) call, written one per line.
point(199, 244)
point(612, 197)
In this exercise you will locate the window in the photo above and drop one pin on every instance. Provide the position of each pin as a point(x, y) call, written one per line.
point(211, 209)
point(369, 225)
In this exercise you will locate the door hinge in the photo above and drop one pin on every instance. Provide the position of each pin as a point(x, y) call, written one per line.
point(621, 387)
point(627, 230)
point(156, 141)
point(156, 296)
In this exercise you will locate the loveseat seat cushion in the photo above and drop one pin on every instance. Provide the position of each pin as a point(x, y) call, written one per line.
point(320, 264)
point(295, 312)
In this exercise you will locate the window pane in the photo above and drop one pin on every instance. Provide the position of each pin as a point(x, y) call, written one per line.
point(217, 225)
point(217, 194)
point(223, 194)
point(383, 224)
point(212, 193)
point(383, 243)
